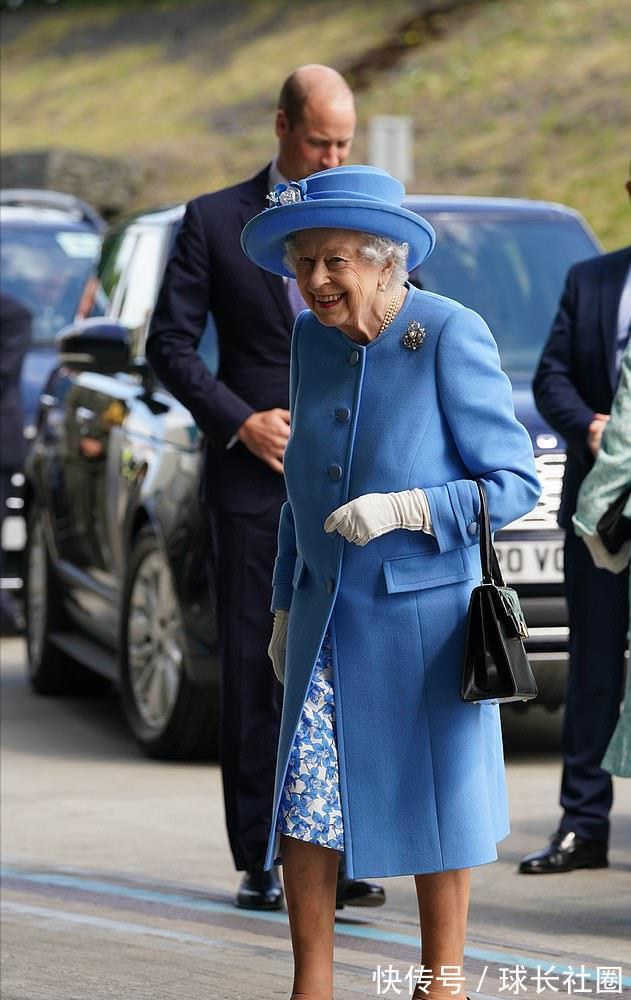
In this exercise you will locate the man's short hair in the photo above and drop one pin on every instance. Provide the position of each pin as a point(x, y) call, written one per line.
point(292, 100)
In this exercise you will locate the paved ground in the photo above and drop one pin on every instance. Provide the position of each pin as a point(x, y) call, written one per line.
point(118, 881)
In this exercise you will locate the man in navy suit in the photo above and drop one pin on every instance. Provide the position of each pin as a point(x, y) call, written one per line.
point(574, 388)
point(244, 415)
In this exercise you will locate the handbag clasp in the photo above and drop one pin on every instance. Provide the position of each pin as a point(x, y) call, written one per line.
point(512, 607)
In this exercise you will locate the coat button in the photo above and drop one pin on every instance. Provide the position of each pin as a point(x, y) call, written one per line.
point(335, 472)
point(473, 528)
point(329, 585)
point(343, 414)
point(353, 357)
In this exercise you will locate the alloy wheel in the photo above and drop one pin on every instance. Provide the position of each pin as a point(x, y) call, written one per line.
point(36, 591)
point(154, 642)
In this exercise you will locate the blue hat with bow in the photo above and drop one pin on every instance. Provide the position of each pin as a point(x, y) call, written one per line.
point(361, 198)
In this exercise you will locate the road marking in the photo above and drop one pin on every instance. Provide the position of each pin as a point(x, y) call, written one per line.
point(358, 930)
point(104, 923)
point(121, 926)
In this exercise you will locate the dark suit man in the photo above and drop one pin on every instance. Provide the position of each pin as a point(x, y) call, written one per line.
point(244, 416)
point(574, 388)
point(15, 335)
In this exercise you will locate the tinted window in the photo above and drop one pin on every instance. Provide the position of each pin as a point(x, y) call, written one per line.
point(46, 269)
point(139, 289)
point(510, 270)
point(117, 251)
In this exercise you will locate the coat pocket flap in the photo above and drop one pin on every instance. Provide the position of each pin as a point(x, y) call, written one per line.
point(424, 570)
point(298, 571)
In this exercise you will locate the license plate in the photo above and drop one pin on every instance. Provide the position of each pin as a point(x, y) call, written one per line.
point(531, 562)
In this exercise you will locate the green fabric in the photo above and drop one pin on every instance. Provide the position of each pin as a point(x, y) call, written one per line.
point(610, 476)
point(617, 759)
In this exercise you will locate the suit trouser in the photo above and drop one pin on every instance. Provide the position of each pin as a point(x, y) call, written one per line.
point(243, 553)
point(598, 603)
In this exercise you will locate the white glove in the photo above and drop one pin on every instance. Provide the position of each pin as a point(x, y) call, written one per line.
point(374, 514)
point(278, 644)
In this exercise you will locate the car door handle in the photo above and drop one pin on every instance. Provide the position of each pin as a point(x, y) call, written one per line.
point(47, 401)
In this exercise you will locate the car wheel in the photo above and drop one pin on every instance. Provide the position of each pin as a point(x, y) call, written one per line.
point(44, 613)
point(50, 670)
point(170, 716)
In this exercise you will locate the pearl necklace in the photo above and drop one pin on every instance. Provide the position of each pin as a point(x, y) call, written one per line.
point(392, 310)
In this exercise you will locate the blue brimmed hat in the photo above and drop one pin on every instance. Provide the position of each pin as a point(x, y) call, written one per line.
point(361, 198)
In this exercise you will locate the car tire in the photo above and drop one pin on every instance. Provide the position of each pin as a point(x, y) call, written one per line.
point(171, 717)
point(51, 671)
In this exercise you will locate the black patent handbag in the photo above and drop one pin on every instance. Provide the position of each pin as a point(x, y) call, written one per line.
point(495, 667)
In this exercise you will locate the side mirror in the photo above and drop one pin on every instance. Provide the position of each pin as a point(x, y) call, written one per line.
point(95, 345)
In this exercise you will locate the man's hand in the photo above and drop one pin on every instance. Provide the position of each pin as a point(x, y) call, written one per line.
point(265, 434)
point(595, 432)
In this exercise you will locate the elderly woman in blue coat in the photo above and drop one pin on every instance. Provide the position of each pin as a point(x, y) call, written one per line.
point(398, 405)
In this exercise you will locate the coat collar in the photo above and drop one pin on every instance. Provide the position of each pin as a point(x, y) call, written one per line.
point(251, 202)
point(252, 195)
point(613, 278)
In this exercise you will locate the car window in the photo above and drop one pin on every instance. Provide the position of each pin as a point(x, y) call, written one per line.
point(510, 270)
point(117, 250)
point(46, 270)
point(130, 272)
point(139, 289)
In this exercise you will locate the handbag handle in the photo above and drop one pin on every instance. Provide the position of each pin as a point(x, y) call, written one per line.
point(491, 571)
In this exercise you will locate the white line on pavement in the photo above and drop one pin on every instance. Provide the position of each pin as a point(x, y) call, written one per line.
point(104, 923)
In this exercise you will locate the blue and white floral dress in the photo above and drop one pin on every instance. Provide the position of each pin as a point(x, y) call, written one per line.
point(310, 806)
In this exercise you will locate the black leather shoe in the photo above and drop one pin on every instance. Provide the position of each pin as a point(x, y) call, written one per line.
point(260, 890)
point(355, 893)
point(566, 852)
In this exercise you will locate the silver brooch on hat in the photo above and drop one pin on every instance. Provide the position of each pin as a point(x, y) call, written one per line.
point(287, 194)
point(414, 335)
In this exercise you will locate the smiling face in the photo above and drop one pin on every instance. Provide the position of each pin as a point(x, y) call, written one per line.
point(338, 284)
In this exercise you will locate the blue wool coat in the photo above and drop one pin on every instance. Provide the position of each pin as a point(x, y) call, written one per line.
point(421, 774)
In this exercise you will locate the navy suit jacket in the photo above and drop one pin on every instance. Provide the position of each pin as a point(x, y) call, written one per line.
point(208, 271)
point(15, 336)
point(576, 377)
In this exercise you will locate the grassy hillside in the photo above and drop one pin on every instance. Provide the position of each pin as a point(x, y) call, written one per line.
point(524, 97)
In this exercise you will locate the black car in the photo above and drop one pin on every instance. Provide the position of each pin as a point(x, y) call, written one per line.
point(115, 571)
point(115, 575)
point(49, 246)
